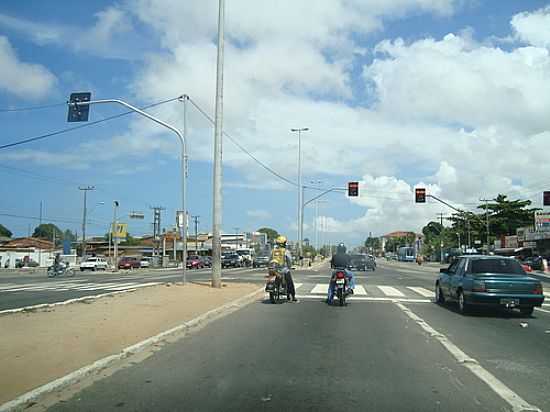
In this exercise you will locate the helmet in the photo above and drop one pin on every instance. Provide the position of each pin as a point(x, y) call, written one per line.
point(341, 248)
point(281, 240)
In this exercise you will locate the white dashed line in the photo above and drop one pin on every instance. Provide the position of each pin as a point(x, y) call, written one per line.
point(421, 291)
point(390, 291)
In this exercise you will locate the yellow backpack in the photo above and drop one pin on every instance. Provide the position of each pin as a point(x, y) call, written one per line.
point(278, 256)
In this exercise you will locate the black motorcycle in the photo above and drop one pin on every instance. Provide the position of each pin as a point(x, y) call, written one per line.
point(276, 286)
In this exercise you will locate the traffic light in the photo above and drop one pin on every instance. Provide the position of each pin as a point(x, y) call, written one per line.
point(546, 198)
point(79, 113)
point(420, 195)
point(353, 189)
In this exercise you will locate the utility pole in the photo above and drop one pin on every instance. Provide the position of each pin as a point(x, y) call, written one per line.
point(196, 220)
point(300, 190)
point(40, 224)
point(115, 238)
point(217, 183)
point(486, 220)
point(85, 189)
point(441, 238)
point(236, 238)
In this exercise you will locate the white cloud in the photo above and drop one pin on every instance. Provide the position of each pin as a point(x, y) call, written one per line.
point(112, 35)
point(533, 27)
point(25, 80)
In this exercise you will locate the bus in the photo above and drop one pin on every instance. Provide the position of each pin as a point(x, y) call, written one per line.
point(406, 254)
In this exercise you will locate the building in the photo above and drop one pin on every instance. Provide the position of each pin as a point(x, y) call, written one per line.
point(28, 250)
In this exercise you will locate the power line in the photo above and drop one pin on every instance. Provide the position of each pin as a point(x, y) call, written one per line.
point(70, 129)
point(30, 108)
point(266, 167)
point(50, 219)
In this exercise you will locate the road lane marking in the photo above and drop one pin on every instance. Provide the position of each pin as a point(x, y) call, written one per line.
point(390, 291)
point(359, 290)
point(369, 299)
point(297, 285)
point(543, 310)
point(421, 291)
point(320, 289)
point(513, 399)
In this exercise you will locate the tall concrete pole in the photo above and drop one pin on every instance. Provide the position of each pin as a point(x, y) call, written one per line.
point(115, 238)
point(85, 189)
point(300, 191)
point(217, 195)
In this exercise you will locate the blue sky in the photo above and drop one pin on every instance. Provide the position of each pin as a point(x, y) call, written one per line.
point(367, 97)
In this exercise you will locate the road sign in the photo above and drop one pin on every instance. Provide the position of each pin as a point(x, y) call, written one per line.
point(79, 113)
point(121, 230)
point(546, 198)
point(137, 215)
point(353, 189)
point(180, 218)
point(420, 195)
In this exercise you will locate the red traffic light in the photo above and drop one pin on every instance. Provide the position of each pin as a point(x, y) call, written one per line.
point(353, 189)
point(420, 195)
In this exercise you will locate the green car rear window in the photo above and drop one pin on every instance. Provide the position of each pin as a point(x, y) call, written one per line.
point(500, 266)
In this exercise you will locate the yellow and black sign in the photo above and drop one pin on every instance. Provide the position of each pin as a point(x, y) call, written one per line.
point(120, 230)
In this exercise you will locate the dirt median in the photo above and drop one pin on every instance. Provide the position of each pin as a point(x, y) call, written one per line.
point(36, 348)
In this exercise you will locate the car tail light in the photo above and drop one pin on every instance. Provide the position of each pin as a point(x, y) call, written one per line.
point(538, 289)
point(479, 286)
point(340, 275)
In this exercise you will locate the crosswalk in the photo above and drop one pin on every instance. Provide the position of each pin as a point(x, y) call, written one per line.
point(368, 292)
point(73, 285)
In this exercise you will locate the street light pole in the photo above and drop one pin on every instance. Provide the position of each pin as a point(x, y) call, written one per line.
point(183, 141)
point(217, 183)
point(300, 190)
point(115, 238)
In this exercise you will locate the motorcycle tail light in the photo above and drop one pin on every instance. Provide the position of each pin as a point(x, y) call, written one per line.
point(340, 275)
point(538, 289)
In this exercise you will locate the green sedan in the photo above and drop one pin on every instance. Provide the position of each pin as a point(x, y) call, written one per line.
point(496, 281)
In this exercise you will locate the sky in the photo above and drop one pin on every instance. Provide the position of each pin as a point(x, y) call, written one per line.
point(450, 95)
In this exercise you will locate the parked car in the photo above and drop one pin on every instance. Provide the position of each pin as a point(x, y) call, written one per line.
point(194, 262)
point(488, 281)
point(145, 262)
point(129, 262)
point(261, 261)
point(231, 260)
point(206, 261)
point(94, 263)
point(535, 262)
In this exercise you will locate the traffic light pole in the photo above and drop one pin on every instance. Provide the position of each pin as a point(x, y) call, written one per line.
point(183, 142)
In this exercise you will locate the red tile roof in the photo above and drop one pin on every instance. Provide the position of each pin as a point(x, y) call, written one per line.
point(28, 242)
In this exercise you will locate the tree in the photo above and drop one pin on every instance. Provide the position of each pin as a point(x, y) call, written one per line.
point(4, 231)
point(47, 230)
point(505, 216)
point(373, 243)
point(271, 233)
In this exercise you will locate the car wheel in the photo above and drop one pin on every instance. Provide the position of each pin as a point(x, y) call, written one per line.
point(93, 269)
point(439, 297)
point(527, 311)
point(463, 306)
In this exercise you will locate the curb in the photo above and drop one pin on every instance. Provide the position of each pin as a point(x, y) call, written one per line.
point(100, 364)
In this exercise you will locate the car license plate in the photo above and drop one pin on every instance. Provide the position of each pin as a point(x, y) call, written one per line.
point(340, 281)
point(509, 302)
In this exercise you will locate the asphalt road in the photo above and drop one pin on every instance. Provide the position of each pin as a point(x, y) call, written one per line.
point(400, 352)
point(18, 291)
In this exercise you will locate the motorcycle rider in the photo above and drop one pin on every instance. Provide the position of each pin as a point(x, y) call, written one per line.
point(341, 260)
point(282, 257)
point(57, 267)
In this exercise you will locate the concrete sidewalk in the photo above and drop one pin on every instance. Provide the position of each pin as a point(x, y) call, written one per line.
point(39, 347)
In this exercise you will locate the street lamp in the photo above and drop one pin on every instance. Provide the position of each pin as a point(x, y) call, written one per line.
point(300, 188)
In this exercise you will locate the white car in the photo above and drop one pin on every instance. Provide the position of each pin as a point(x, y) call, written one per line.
point(94, 263)
point(145, 262)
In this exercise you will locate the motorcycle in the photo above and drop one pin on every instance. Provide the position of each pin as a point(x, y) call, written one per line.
point(61, 270)
point(276, 285)
point(341, 286)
